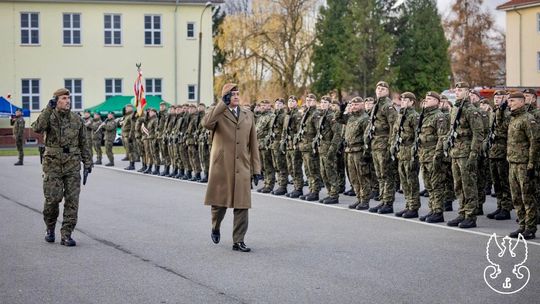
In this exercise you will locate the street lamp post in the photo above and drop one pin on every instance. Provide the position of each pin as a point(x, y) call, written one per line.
point(207, 5)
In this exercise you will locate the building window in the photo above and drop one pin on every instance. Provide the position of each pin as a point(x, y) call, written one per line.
point(29, 28)
point(538, 60)
point(30, 94)
point(152, 30)
point(113, 29)
point(191, 30)
point(192, 92)
point(75, 87)
point(113, 87)
point(153, 87)
point(72, 28)
point(538, 22)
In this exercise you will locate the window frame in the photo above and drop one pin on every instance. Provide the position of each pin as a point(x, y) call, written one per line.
point(31, 95)
point(152, 30)
point(194, 30)
point(112, 30)
point(152, 91)
point(30, 29)
point(74, 94)
point(71, 29)
point(113, 86)
point(194, 92)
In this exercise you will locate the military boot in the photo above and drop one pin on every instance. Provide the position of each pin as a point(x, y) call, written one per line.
point(424, 217)
point(479, 210)
point(385, 209)
point(313, 196)
point(49, 236)
point(109, 164)
point(435, 218)
point(143, 168)
point(503, 215)
point(400, 213)
point(423, 192)
point(179, 174)
point(493, 214)
point(68, 241)
point(455, 222)
point(350, 192)
point(156, 170)
point(528, 235)
point(130, 167)
point(148, 170)
point(376, 208)
point(196, 177)
point(331, 200)
point(353, 205)
point(280, 191)
point(165, 172)
point(125, 158)
point(187, 176)
point(296, 193)
point(98, 162)
point(205, 178)
point(19, 163)
point(363, 206)
point(265, 190)
point(467, 223)
point(516, 233)
point(448, 206)
point(410, 214)
point(174, 172)
point(376, 195)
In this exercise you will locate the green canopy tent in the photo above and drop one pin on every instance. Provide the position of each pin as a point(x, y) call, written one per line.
point(115, 104)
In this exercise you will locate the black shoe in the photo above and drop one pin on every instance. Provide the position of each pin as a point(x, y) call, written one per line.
point(426, 194)
point(363, 206)
point(49, 236)
point(400, 191)
point(487, 191)
point(528, 235)
point(410, 214)
point(455, 222)
point(448, 206)
point(165, 172)
point(215, 235)
point(492, 214)
point(180, 174)
point(467, 223)
point(435, 218)
point(322, 199)
point(376, 208)
point(148, 170)
point(424, 217)
point(385, 209)
point(302, 197)
point(479, 210)
point(68, 241)
point(19, 163)
point(296, 193)
point(423, 192)
point(280, 191)
point(174, 172)
point(125, 159)
point(240, 247)
point(156, 170)
point(354, 205)
point(503, 215)
point(130, 167)
point(109, 164)
point(311, 197)
point(349, 192)
point(331, 200)
point(142, 169)
point(265, 190)
point(494, 195)
point(97, 162)
point(187, 176)
point(400, 213)
point(516, 233)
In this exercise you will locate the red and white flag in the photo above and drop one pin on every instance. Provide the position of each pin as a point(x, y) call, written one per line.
point(140, 99)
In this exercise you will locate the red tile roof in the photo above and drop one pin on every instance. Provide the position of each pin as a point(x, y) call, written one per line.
point(517, 4)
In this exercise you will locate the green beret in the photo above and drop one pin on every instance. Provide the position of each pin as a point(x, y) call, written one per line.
point(475, 93)
point(312, 96)
point(529, 91)
point(409, 95)
point(499, 92)
point(60, 92)
point(517, 95)
point(326, 98)
point(462, 84)
point(434, 95)
point(383, 84)
point(357, 99)
point(369, 99)
point(293, 98)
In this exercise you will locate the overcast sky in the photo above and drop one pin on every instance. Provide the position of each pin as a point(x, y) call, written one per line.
point(444, 7)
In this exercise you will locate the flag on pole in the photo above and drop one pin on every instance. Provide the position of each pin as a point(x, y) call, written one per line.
point(140, 99)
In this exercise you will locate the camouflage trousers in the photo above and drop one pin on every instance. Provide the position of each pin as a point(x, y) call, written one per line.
point(500, 170)
point(523, 196)
point(90, 147)
point(19, 143)
point(434, 183)
point(108, 150)
point(482, 179)
point(204, 156)
point(449, 194)
point(152, 152)
point(359, 175)
point(97, 148)
point(184, 155)
point(268, 168)
point(465, 188)
point(329, 172)
point(194, 160)
point(373, 177)
point(172, 155)
point(294, 167)
point(385, 176)
point(141, 150)
point(341, 164)
point(128, 145)
point(408, 175)
point(311, 166)
point(56, 187)
point(279, 160)
point(163, 148)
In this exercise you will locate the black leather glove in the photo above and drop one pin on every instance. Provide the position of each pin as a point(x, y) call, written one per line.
point(342, 106)
point(531, 173)
point(52, 103)
point(503, 106)
point(130, 140)
point(257, 178)
point(227, 98)
point(88, 169)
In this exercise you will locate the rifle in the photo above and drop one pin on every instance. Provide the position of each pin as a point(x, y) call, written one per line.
point(286, 136)
point(41, 149)
point(397, 142)
point(317, 141)
point(85, 176)
point(417, 133)
point(300, 133)
point(269, 139)
point(100, 126)
point(371, 125)
point(453, 131)
point(491, 134)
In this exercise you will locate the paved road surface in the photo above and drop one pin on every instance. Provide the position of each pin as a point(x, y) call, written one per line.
point(144, 239)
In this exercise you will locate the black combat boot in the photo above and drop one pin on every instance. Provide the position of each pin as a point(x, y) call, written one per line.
point(456, 221)
point(109, 164)
point(376, 208)
point(350, 192)
point(424, 217)
point(49, 236)
point(331, 200)
point(187, 176)
point(156, 170)
point(98, 162)
point(174, 172)
point(241, 247)
point(125, 158)
point(148, 170)
point(322, 199)
point(516, 233)
point(280, 191)
point(215, 235)
point(312, 197)
point(19, 163)
point(448, 206)
point(435, 218)
point(296, 193)
point(205, 178)
point(353, 205)
point(68, 241)
point(503, 215)
point(375, 195)
point(143, 168)
point(400, 213)
point(165, 171)
point(479, 210)
point(385, 209)
point(493, 214)
point(180, 174)
point(467, 223)
point(410, 214)
point(130, 167)
point(195, 177)
point(265, 189)
point(528, 235)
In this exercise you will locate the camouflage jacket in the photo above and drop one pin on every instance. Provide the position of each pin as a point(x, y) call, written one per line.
point(330, 133)
point(180, 127)
point(383, 115)
point(435, 125)
point(127, 122)
point(162, 121)
point(307, 129)
point(64, 135)
point(152, 126)
point(110, 129)
point(138, 124)
point(407, 135)
point(523, 146)
point(500, 121)
point(18, 127)
point(97, 132)
point(276, 128)
point(470, 131)
point(263, 130)
point(169, 128)
point(88, 125)
point(192, 131)
point(290, 128)
point(355, 126)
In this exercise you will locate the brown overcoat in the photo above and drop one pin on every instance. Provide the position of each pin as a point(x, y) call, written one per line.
point(233, 159)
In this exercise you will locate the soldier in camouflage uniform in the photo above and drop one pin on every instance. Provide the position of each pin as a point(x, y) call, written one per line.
point(18, 134)
point(109, 129)
point(279, 158)
point(127, 137)
point(169, 134)
point(139, 138)
point(263, 128)
point(532, 107)
point(482, 165)
point(495, 146)
point(150, 144)
point(204, 146)
point(358, 161)
point(183, 146)
point(289, 146)
point(192, 136)
point(87, 120)
point(403, 142)
point(65, 148)
point(464, 144)
point(327, 143)
point(433, 127)
point(97, 136)
point(449, 195)
point(369, 103)
point(161, 139)
point(178, 133)
point(522, 155)
point(378, 140)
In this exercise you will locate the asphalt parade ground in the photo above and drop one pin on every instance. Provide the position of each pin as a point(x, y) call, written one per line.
point(146, 239)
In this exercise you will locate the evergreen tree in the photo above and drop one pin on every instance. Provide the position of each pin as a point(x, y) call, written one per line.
point(218, 16)
point(423, 62)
